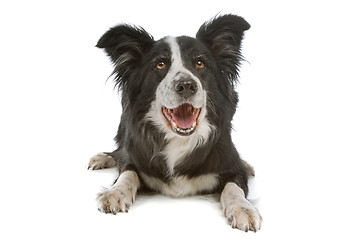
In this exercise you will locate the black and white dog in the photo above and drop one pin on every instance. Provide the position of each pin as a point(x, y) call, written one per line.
point(178, 100)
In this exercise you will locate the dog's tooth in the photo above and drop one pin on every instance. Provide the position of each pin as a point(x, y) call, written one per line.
point(174, 124)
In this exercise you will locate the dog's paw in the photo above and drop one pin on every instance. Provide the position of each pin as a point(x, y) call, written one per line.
point(114, 200)
point(100, 161)
point(243, 216)
point(238, 210)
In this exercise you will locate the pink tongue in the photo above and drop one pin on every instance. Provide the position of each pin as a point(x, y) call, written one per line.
point(183, 116)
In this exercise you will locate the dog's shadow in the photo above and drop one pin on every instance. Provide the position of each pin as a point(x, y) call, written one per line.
point(151, 199)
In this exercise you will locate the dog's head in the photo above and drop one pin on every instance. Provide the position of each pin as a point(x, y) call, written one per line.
point(182, 85)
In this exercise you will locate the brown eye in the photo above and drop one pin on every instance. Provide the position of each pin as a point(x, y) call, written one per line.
point(200, 64)
point(161, 65)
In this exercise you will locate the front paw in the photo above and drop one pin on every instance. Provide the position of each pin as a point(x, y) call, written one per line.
point(115, 200)
point(243, 216)
point(238, 210)
point(101, 161)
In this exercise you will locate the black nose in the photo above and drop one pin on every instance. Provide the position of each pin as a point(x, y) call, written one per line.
point(185, 88)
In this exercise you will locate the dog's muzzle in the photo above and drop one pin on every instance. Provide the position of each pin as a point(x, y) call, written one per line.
point(183, 119)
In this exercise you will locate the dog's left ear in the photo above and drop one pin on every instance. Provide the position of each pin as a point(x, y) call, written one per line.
point(223, 35)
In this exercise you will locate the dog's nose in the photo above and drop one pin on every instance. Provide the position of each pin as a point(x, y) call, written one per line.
point(185, 87)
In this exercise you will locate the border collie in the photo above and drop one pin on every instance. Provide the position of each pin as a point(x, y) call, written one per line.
point(178, 100)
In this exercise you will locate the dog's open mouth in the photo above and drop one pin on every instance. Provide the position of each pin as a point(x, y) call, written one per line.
point(183, 119)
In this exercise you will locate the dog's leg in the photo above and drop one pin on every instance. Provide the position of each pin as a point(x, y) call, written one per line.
point(100, 161)
point(250, 168)
point(121, 195)
point(238, 210)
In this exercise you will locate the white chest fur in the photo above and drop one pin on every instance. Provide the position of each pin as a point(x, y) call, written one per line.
point(179, 147)
point(182, 186)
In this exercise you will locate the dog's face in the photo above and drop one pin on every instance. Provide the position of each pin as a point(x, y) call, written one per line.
point(181, 92)
point(173, 82)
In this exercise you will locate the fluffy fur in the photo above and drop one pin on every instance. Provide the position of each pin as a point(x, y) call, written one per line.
point(178, 101)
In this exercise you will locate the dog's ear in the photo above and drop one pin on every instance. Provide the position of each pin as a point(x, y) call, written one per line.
point(223, 35)
point(125, 45)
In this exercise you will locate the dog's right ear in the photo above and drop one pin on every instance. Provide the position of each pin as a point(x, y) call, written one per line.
point(125, 45)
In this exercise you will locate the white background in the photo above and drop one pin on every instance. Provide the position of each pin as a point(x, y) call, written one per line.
point(297, 122)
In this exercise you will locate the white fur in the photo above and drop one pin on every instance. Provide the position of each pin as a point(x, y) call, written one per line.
point(120, 196)
point(100, 161)
point(180, 146)
point(182, 185)
point(238, 210)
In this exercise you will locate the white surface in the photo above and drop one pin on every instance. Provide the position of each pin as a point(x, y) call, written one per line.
point(297, 122)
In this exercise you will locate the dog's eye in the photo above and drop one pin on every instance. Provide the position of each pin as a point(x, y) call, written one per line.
point(161, 65)
point(200, 64)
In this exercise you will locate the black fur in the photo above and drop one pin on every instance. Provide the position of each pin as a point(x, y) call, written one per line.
point(135, 55)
